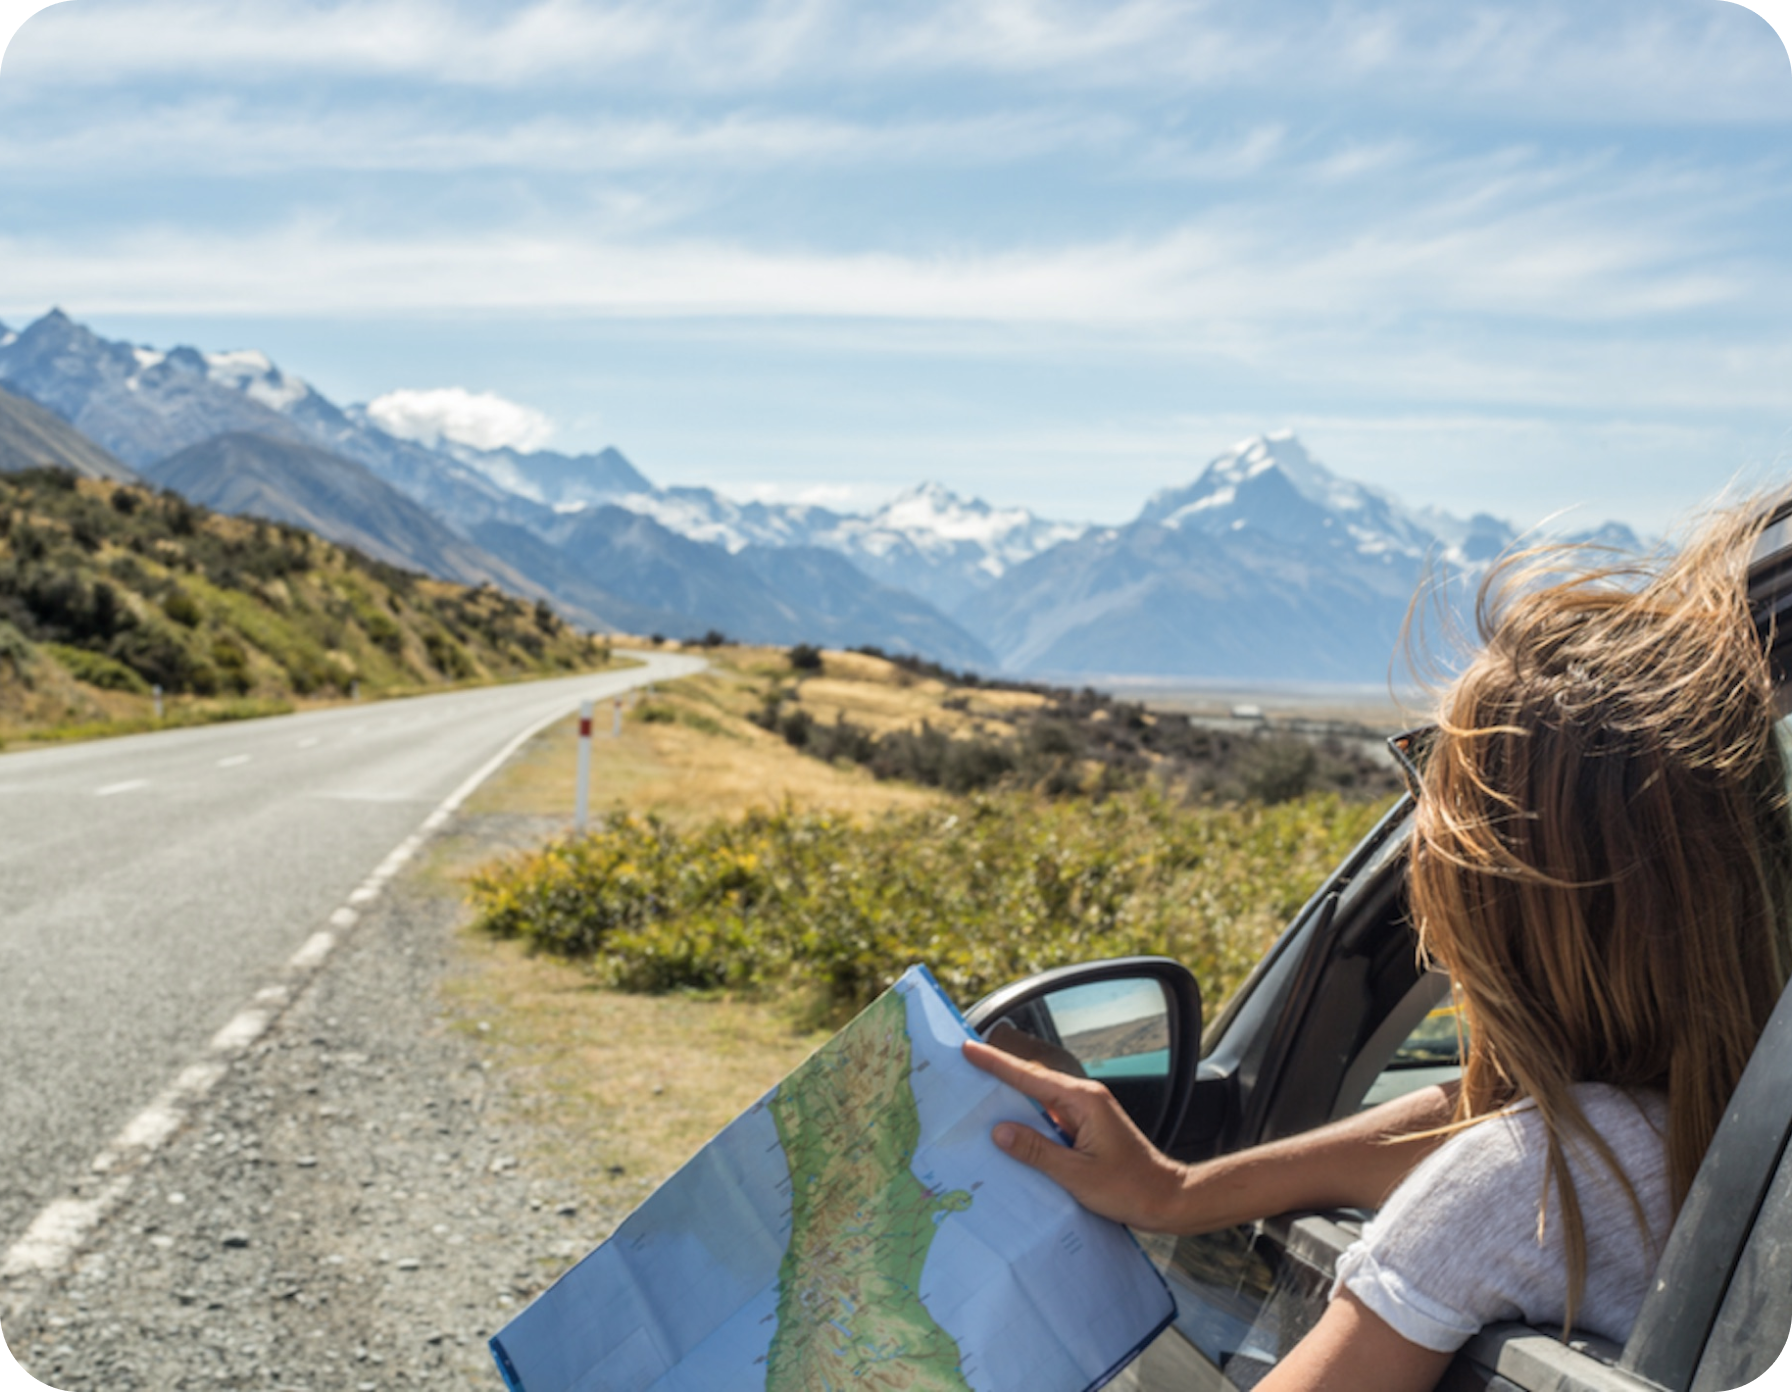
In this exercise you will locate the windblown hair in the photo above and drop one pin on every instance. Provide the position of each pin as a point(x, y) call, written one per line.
point(1602, 855)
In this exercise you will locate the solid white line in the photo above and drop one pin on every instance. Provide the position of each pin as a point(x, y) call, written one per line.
point(234, 761)
point(129, 785)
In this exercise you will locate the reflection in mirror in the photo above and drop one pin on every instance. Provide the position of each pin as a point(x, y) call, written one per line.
point(1116, 1029)
point(1132, 1024)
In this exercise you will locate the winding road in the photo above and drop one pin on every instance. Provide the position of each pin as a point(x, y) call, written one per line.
point(150, 885)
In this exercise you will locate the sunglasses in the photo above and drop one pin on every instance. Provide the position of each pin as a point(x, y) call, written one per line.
point(1412, 750)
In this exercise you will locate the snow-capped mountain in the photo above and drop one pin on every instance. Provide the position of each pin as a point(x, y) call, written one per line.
point(942, 547)
point(1270, 484)
point(1266, 565)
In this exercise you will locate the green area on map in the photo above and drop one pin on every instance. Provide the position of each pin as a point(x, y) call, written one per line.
point(849, 1300)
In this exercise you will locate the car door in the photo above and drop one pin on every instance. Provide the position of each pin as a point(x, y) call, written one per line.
point(1329, 1023)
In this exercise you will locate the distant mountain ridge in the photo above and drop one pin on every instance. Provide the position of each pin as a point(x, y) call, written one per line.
point(201, 413)
point(34, 438)
point(1266, 565)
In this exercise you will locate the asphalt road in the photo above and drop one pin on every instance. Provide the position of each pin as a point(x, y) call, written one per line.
point(150, 885)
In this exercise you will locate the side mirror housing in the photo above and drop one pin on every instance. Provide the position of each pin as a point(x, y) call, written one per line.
point(1132, 1023)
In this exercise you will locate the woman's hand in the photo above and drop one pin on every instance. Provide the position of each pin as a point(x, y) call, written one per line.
point(1108, 1167)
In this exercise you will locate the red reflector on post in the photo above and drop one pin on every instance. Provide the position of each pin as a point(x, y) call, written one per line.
point(585, 727)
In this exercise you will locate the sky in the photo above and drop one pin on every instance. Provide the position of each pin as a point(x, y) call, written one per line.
point(1509, 257)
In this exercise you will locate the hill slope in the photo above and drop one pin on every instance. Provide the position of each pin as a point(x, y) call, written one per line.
point(33, 438)
point(253, 475)
point(106, 589)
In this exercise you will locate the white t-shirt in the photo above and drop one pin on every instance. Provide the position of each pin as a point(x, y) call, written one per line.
point(1456, 1245)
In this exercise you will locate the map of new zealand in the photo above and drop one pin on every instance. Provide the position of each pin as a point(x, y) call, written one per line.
point(855, 1228)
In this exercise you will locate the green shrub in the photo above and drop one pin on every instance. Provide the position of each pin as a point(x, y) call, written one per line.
point(985, 892)
point(180, 606)
point(96, 669)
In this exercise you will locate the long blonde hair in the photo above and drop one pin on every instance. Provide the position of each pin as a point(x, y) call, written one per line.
point(1602, 856)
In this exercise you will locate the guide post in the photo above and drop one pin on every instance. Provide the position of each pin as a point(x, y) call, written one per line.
point(582, 804)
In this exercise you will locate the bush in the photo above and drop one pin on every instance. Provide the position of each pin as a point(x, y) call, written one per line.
point(96, 669)
point(991, 890)
point(805, 658)
point(180, 606)
point(15, 649)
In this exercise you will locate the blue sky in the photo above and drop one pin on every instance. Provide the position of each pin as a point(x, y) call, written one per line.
point(1512, 257)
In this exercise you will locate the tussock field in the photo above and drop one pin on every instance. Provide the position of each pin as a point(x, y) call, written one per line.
point(737, 895)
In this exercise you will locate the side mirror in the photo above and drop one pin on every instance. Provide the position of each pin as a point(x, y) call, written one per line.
point(1133, 1023)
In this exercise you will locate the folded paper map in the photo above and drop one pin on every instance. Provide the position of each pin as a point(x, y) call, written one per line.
point(855, 1228)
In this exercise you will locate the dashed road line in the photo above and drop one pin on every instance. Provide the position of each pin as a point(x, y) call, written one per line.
point(310, 742)
point(63, 1227)
point(234, 760)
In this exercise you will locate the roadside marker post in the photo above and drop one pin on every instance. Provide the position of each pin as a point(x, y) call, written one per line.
point(156, 690)
point(582, 809)
point(616, 721)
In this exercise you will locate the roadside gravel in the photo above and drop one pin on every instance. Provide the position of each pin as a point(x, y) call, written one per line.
point(352, 1207)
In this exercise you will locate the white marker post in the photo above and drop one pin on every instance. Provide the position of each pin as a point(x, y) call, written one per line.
point(582, 809)
point(156, 691)
point(616, 721)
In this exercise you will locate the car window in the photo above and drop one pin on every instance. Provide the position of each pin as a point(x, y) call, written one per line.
point(1430, 1053)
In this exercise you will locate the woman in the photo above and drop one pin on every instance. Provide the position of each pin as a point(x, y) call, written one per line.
point(1601, 859)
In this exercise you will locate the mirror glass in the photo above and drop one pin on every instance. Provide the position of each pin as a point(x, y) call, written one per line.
point(1117, 1032)
point(1116, 1029)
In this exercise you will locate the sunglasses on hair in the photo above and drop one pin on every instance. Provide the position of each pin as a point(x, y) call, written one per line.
point(1412, 750)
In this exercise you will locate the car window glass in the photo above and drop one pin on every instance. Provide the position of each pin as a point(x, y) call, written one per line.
point(1430, 1053)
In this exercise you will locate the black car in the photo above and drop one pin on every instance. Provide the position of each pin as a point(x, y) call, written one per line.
point(1338, 1016)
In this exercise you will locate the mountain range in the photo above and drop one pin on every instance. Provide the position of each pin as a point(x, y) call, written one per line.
point(1265, 566)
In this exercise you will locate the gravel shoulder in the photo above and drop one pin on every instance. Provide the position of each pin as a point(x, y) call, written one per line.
point(352, 1207)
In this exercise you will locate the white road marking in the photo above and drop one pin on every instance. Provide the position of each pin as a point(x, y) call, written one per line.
point(310, 742)
point(64, 1225)
point(244, 1029)
point(317, 947)
point(234, 761)
point(60, 1230)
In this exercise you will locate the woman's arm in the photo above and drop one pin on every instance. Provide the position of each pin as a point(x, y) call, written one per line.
point(1113, 1170)
point(1352, 1348)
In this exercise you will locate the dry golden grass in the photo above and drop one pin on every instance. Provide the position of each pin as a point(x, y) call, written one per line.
point(584, 1063)
point(613, 1092)
point(705, 759)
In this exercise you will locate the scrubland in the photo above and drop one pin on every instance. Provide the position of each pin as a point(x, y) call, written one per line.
point(736, 895)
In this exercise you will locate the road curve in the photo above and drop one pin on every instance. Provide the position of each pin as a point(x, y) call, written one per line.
point(150, 884)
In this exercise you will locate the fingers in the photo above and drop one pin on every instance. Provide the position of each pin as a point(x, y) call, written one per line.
point(1031, 1148)
point(1031, 1079)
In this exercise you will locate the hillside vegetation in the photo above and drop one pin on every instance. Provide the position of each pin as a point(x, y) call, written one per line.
point(108, 590)
point(739, 858)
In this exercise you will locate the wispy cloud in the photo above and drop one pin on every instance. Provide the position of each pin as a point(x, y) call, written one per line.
point(1635, 59)
point(225, 136)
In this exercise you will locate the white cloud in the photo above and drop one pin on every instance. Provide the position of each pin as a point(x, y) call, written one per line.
point(483, 420)
point(1693, 61)
point(222, 137)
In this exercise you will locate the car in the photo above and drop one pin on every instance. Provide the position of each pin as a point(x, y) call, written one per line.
point(1338, 1015)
